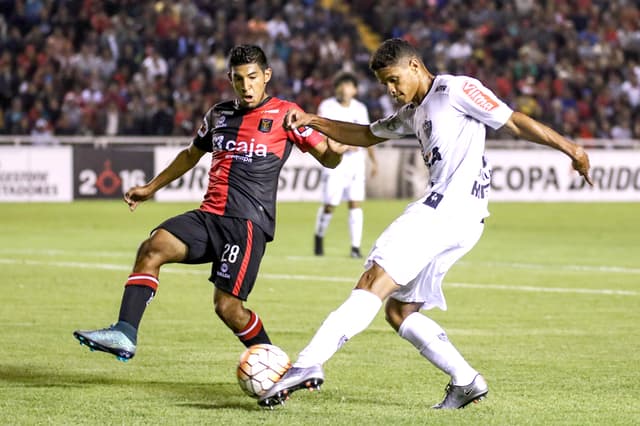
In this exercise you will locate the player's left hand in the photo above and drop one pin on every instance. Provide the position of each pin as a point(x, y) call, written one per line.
point(136, 195)
point(581, 164)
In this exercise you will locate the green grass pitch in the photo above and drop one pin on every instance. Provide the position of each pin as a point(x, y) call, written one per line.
point(546, 306)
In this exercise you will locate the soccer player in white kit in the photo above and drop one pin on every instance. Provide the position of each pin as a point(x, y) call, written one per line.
point(406, 266)
point(347, 180)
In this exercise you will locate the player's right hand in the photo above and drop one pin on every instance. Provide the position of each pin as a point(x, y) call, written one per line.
point(581, 164)
point(136, 195)
point(295, 118)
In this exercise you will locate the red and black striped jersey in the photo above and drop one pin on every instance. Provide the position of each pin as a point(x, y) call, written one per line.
point(249, 148)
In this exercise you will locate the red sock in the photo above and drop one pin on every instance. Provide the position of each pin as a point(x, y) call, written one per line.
point(138, 293)
point(253, 333)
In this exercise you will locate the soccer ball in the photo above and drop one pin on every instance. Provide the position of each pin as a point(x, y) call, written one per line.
point(260, 367)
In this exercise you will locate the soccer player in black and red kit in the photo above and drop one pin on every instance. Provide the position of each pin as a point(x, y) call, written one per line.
point(236, 219)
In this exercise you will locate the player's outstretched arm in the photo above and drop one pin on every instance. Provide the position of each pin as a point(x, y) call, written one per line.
point(329, 152)
point(525, 127)
point(185, 160)
point(340, 131)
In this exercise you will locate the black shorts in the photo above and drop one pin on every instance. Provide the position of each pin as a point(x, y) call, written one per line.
point(233, 245)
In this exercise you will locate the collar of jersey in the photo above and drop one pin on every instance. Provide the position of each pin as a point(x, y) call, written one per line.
point(237, 107)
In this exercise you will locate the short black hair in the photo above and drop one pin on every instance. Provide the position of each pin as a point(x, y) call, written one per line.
point(390, 52)
point(345, 77)
point(247, 54)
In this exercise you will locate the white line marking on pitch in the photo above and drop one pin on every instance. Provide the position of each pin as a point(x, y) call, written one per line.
point(580, 268)
point(515, 265)
point(115, 267)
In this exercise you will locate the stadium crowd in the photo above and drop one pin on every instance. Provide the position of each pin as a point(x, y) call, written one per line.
point(139, 67)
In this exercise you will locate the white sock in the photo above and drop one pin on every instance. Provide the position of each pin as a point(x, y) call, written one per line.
point(322, 221)
point(355, 226)
point(352, 317)
point(432, 342)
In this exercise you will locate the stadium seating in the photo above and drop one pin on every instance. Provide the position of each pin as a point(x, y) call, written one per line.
point(153, 68)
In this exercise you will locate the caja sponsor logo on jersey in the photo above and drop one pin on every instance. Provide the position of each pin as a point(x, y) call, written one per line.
point(478, 97)
point(249, 149)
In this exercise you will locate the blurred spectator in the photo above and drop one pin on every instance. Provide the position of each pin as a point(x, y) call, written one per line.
point(631, 89)
point(154, 65)
point(41, 133)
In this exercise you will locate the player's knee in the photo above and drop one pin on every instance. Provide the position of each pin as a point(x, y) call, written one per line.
point(377, 281)
point(147, 253)
point(393, 316)
point(160, 248)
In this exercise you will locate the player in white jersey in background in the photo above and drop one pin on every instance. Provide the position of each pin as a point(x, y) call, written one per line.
point(347, 181)
point(406, 266)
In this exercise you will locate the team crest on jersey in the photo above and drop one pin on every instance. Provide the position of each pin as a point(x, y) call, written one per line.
point(265, 125)
point(426, 128)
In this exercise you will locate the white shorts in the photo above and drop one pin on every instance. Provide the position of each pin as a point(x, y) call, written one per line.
point(346, 182)
point(417, 250)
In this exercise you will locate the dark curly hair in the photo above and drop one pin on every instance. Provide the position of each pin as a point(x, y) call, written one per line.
point(390, 52)
point(248, 54)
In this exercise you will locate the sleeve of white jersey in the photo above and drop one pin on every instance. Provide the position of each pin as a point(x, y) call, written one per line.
point(471, 97)
point(396, 125)
point(323, 108)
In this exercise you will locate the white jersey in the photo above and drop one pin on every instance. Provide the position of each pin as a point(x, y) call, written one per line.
point(450, 126)
point(356, 112)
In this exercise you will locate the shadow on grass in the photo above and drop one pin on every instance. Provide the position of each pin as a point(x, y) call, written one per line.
point(190, 395)
point(209, 396)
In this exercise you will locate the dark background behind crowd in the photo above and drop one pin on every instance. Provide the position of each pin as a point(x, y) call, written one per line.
point(137, 67)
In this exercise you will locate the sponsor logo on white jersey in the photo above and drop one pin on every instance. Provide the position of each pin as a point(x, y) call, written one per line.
point(478, 97)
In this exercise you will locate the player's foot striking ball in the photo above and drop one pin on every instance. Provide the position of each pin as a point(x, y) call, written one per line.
point(260, 367)
point(294, 379)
